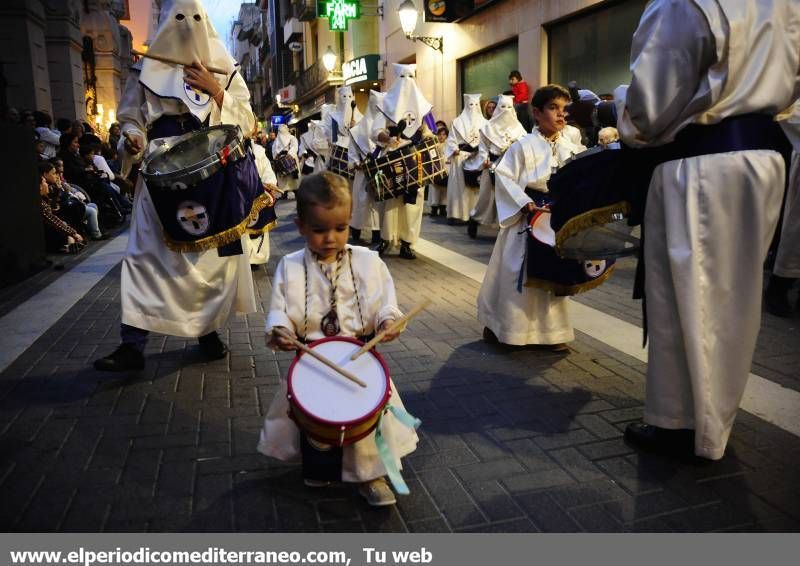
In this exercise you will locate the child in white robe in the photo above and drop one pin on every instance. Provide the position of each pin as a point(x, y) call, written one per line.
point(258, 252)
point(529, 315)
point(364, 303)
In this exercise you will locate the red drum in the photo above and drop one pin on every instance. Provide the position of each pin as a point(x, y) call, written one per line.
point(286, 165)
point(338, 162)
point(328, 407)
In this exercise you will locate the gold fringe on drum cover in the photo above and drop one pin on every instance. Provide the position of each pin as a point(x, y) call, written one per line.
point(561, 290)
point(590, 218)
point(226, 236)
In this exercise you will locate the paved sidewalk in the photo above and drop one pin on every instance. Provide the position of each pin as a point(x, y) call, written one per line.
point(512, 439)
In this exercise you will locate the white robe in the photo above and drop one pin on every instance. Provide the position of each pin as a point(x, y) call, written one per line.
point(258, 249)
point(437, 194)
point(709, 219)
point(365, 212)
point(280, 437)
point(532, 316)
point(317, 160)
point(787, 259)
point(461, 199)
point(401, 221)
point(182, 294)
point(288, 144)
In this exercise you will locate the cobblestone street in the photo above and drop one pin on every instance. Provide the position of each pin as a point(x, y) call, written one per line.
point(512, 440)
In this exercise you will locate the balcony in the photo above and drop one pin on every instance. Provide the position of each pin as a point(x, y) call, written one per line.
point(316, 80)
point(304, 10)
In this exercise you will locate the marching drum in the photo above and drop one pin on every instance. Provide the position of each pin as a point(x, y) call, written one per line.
point(387, 175)
point(286, 165)
point(326, 406)
point(430, 164)
point(472, 177)
point(591, 212)
point(205, 188)
point(546, 270)
point(338, 162)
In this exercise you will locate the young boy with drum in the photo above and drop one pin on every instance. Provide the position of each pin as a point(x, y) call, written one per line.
point(513, 308)
point(330, 289)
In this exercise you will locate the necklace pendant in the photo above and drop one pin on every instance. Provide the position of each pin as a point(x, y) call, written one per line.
point(330, 323)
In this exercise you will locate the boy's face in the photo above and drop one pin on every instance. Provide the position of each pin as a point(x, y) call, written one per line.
point(441, 136)
point(513, 80)
point(325, 230)
point(490, 106)
point(552, 117)
point(59, 167)
point(51, 177)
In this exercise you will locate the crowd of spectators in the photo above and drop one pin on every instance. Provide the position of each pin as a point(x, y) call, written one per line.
point(80, 186)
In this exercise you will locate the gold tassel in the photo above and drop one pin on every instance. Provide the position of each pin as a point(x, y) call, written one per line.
point(222, 238)
point(594, 217)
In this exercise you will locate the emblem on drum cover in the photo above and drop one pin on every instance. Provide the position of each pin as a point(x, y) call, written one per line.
point(195, 96)
point(178, 186)
point(594, 268)
point(193, 218)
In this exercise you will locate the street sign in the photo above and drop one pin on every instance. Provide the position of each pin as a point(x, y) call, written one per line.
point(339, 12)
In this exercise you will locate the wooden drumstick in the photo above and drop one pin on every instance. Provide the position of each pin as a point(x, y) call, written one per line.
point(297, 344)
point(396, 325)
point(171, 61)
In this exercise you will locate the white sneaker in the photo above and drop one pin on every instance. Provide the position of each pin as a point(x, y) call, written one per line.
point(377, 493)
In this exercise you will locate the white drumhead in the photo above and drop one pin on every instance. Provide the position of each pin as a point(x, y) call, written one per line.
point(542, 230)
point(328, 395)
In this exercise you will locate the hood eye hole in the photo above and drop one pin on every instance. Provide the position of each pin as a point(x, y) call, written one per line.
point(179, 17)
point(197, 17)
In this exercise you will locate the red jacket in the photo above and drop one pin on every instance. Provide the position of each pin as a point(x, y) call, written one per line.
point(521, 92)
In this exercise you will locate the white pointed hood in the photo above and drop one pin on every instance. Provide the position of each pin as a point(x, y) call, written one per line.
point(362, 133)
point(185, 33)
point(504, 128)
point(283, 141)
point(468, 124)
point(344, 112)
point(317, 138)
point(405, 101)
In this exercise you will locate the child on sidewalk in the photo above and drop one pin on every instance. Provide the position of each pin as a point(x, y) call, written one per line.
point(330, 288)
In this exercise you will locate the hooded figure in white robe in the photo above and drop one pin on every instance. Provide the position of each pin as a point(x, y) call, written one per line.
point(709, 219)
point(286, 142)
point(344, 115)
point(187, 294)
point(403, 104)
point(365, 214)
point(461, 151)
point(496, 137)
point(314, 147)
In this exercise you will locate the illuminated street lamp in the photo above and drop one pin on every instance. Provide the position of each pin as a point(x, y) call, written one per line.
point(408, 21)
point(329, 59)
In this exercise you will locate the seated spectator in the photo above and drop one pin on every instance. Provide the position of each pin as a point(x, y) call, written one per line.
point(49, 136)
point(11, 115)
point(28, 119)
point(78, 129)
point(110, 154)
point(39, 145)
point(71, 196)
point(64, 125)
point(608, 137)
point(59, 236)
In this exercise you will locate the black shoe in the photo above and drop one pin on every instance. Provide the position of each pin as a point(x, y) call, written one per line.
point(489, 337)
point(124, 358)
point(406, 252)
point(376, 237)
point(100, 237)
point(382, 247)
point(254, 267)
point(472, 229)
point(443, 211)
point(677, 442)
point(776, 299)
point(212, 347)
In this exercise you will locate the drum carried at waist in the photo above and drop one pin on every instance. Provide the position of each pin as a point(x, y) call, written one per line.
point(326, 406)
point(405, 170)
point(545, 269)
point(205, 188)
point(286, 165)
point(338, 162)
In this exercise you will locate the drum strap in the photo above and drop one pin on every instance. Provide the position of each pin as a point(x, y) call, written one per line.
point(389, 462)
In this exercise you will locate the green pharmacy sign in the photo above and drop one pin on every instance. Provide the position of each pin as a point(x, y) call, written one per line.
point(339, 12)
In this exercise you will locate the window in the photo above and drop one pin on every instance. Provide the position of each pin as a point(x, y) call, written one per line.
point(594, 48)
point(487, 72)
